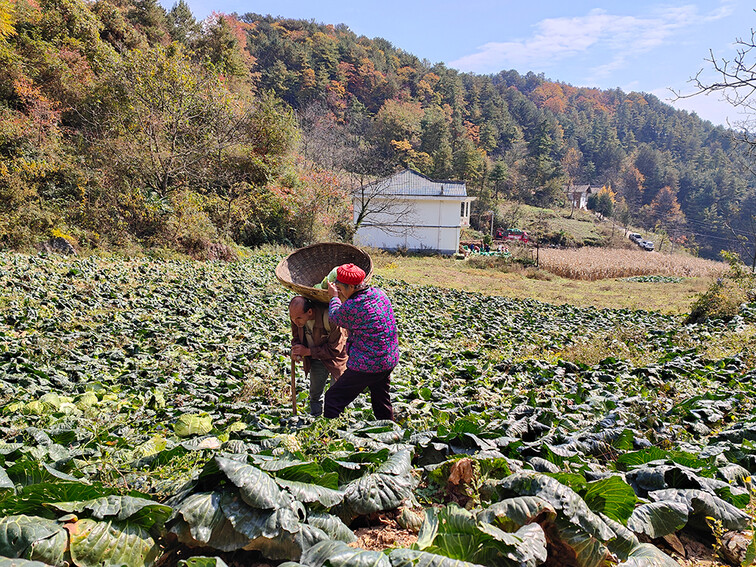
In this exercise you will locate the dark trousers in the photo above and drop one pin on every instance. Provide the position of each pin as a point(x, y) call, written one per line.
point(351, 384)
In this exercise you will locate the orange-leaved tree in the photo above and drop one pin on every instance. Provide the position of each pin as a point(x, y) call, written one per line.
point(665, 215)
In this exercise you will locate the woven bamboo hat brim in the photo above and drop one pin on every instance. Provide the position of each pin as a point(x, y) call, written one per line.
point(305, 267)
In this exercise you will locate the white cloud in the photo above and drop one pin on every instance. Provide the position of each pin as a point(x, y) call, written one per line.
point(726, 8)
point(617, 62)
point(614, 36)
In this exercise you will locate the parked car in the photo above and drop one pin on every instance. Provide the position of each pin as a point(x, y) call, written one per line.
point(635, 237)
point(647, 245)
point(513, 234)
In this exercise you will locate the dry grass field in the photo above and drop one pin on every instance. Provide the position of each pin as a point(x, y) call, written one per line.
point(666, 297)
point(593, 264)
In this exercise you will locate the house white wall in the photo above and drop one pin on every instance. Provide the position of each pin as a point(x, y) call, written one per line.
point(578, 194)
point(434, 225)
point(465, 213)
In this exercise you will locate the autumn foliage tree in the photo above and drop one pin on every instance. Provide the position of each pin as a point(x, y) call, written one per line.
point(107, 129)
point(7, 19)
point(665, 215)
point(664, 209)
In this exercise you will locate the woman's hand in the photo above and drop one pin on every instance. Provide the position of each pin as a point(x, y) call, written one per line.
point(300, 351)
point(333, 290)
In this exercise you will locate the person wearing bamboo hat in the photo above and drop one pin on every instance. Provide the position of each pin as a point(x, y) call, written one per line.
point(373, 343)
point(320, 345)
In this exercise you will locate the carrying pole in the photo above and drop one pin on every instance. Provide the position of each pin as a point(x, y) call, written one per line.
point(293, 387)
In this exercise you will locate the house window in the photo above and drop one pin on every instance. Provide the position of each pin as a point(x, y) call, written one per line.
point(462, 212)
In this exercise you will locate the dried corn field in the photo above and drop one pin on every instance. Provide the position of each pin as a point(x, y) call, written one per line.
point(603, 263)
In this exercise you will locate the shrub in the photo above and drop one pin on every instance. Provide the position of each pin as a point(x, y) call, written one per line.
point(343, 230)
point(188, 219)
point(725, 296)
point(595, 241)
point(220, 251)
point(25, 228)
point(721, 301)
point(534, 273)
point(558, 238)
point(501, 263)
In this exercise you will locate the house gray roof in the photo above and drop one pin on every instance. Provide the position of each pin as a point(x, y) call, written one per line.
point(578, 189)
point(412, 183)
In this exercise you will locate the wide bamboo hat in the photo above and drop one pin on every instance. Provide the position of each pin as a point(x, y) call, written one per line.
point(307, 266)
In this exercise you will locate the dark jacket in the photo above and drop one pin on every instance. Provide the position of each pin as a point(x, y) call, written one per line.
point(328, 347)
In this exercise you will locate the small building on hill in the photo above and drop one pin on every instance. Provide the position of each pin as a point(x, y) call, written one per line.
point(577, 195)
point(409, 211)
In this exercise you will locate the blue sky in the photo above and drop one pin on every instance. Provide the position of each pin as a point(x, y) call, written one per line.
point(641, 45)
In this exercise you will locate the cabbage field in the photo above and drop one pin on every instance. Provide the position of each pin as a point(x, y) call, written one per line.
point(146, 420)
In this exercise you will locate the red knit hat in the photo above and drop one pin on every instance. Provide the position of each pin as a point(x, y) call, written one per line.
point(350, 274)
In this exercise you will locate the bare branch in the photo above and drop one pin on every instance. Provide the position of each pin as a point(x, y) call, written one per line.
point(375, 205)
point(736, 84)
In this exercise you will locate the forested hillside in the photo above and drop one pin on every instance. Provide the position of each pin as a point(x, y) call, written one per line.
point(508, 135)
point(121, 123)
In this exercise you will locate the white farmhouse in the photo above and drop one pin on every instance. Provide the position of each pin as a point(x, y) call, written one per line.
point(409, 211)
point(577, 195)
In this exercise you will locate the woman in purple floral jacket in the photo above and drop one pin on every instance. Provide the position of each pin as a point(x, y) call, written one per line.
point(373, 345)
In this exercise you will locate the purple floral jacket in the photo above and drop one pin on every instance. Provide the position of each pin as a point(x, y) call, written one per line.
point(373, 344)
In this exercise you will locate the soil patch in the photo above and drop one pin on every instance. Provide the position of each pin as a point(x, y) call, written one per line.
point(384, 533)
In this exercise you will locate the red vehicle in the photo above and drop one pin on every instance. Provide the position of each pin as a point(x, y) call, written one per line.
point(512, 234)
